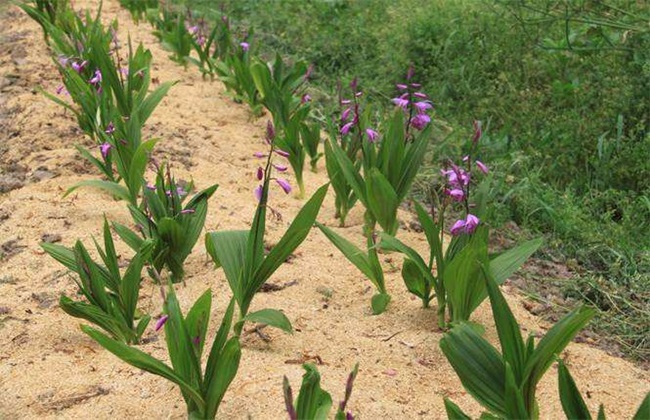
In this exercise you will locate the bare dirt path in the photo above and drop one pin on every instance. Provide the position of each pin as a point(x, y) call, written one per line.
point(49, 368)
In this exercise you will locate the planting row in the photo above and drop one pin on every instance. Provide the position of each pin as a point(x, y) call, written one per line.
point(370, 158)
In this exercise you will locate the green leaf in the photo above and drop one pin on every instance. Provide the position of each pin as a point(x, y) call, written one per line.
point(553, 343)
point(350, 173)
point(512, 344)
point(146, 108)
point(572, 403)
point(379, 303)
point(644, 409)
point(218, 343)
point(116, 190)
point(454, 412)
point(179, 343)
point(95, 315)
point(382, 200)
point(143, 361)
point(413, 278)
point(62, 254)
point(226, 368)
point(294, 236)
point(137, 168)
point(355, 255)
point(508, 262)
point(312, 402)
point(228, 250)
point(128, 236)
point(271, 317)
point(515, 405)
point(478, 365)
point(197, 320)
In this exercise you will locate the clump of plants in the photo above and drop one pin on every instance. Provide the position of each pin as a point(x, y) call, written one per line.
point(241, 252)
point(312, 401)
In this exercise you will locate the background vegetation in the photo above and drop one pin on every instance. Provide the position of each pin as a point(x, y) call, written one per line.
point(563, 88)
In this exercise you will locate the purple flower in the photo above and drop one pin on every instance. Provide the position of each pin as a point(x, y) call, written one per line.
point(471, 222)
point(280, 168)
point(458, 227)
point(97, 78)
point(305, 98)
point(345, 114)
point(78, 67)
point(244, 46)
point(416, 85)
point(110, 129)
point(345, 102)
point(401, 86)
point(358, 94)
point(482, 167)
point(104, 148)
point(193, 29)
point(420, 121)
point(346, 128)
point(260, 173)
point(200, 40)
point(60, 89)
point(284, 184)
point(151, 187)
point(188, 211)
point(401, 101)
point(258, 192)
point(270, 131)
point(63, 60)
point(372, 135)
point(420, 95)
point(196, 340)
point(423, 106)
point(456, 194)
point(259, 155)
point(282, 153)
point(161, 321)
point(181, 191)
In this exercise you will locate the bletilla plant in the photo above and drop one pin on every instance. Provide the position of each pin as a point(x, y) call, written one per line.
point(281, 91)
point(314, 403)
point(366, 261)
point(202, 388)
point(505, 383)
point(454, 276)
point(241, 252)
point(172, 226)
point(47, 12)
point(173, 33)
point(234, 71)
point(211, 46)
point(110, 97)
point(111, 298)
point(390, 160)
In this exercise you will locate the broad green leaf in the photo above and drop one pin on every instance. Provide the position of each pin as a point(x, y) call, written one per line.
point(509, 261)
point(454, 412)
point(515, 405)
point(644, 409)
point(512, 344)
point(572, 403)
point(179, 343)
point(379, 303)
point(143, 361)
point(432, 233)
point(553, 343)
point(197, 320)
point(355, 255)
point(128, 236)
point(312, 402)
point(350, 173)
point(95, 315)
point(112, 188)
point(413, 278)
point(478, 365)
point(271, 317)
point(294, 236)
point(129, 287)
point(217, 344)
point(137, 167)
point(62, 254)
point(382, 200)
point(146, 108)
point(226, 367)
point(228, 250)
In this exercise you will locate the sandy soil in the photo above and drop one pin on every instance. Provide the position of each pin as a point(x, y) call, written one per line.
point(49, 369)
